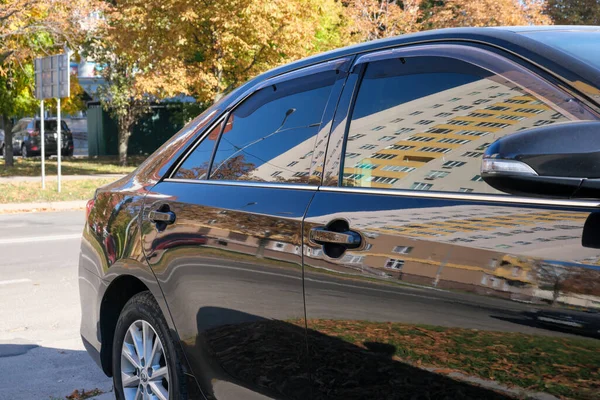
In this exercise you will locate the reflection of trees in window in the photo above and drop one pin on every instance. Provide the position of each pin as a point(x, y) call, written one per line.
point(234, 168)
point(193, 172)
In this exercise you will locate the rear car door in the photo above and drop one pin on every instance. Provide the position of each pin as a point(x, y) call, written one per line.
point(421, 281)
point(223, 236)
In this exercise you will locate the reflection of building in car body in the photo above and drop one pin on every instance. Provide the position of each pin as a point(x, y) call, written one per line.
point(420, 247)
point(413, 246)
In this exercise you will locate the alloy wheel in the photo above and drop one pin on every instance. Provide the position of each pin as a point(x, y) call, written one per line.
point(144, 370)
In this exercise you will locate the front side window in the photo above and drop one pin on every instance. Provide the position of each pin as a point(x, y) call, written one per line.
point(271, 135)
point(450, 111)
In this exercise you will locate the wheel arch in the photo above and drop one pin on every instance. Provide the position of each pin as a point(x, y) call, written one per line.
point(117, 294)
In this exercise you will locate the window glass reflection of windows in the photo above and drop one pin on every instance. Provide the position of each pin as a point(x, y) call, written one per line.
point(449, 117)
point(274, 127)
point(402, 249)
point(393, 263)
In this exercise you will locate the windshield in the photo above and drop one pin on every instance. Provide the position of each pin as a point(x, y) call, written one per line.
point(583, 45)
point(50, 125)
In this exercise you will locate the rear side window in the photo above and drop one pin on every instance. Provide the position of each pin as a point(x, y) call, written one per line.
point(50, 125)
point(270, 136)
point(424, 123)
point(197, 164)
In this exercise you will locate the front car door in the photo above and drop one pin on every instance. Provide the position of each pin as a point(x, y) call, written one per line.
point(223, 236)
point(421, 281)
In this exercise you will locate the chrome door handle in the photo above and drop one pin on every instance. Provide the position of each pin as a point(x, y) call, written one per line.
point(348, 239)
point(167, 217)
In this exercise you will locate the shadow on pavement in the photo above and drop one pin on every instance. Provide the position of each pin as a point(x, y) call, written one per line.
point(32, 372)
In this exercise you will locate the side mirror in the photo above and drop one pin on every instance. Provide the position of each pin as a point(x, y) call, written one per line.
point(554, 161)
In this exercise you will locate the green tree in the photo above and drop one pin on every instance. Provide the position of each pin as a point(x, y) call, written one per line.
point(31, 28)
point(16, 100)
point(121, 95)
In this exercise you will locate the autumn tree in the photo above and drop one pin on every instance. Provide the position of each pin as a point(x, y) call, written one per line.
point(573, 12)
point(121, 95)
point(459, 13)
point(376, 19)
point(31, 28)
point(206, 49)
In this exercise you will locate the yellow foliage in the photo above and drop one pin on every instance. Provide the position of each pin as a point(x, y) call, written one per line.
point(456, 13)
point(181, 46)
point(29, 27)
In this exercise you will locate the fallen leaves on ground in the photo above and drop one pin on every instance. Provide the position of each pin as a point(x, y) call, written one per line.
point(84, 394)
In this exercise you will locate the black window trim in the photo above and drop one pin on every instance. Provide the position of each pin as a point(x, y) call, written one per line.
point(188, 152)
point(331, 65)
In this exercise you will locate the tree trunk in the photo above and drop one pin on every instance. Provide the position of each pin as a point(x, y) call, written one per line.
point(124, 134)
point(8, 136)
point(555, 294)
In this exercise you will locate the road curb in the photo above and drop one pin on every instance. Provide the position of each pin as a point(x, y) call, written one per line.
point(14, 208)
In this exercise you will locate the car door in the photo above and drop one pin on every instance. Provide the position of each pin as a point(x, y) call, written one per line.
point(223, 236)
point(422, 281)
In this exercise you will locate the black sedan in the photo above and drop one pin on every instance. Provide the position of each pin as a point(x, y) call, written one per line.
point(351, 226)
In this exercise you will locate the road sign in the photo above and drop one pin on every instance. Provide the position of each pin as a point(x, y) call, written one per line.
point(52, 81)
point(52, 77)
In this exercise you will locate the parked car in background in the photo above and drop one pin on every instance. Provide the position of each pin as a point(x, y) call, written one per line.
point(26, 137)
point(2, 142)
point(369, 223)
point(578, 321)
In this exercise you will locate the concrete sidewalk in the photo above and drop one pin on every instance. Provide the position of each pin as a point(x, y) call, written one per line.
point(52, 178)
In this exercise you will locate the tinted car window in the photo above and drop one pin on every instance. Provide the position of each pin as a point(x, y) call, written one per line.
point(196, 165)
point(19, 126)
point(270, 136)
point(51, 125)
point(423, 123)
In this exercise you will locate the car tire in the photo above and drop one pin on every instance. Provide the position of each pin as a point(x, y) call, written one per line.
point(23, 151)
point(141, 317)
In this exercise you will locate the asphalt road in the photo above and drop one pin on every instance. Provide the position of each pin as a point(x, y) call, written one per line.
point(41, 354)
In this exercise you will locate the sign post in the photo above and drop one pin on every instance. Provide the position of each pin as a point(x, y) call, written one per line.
point(52, 81)
point(58, 141)
point(43, 139)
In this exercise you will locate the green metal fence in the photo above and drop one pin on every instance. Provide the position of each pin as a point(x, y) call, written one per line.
point(151, 131)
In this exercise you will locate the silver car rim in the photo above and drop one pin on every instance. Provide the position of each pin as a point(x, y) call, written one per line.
point(144, 371)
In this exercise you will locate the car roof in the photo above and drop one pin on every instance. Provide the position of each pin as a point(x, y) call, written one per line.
point(507, 34)
point(508, 38)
